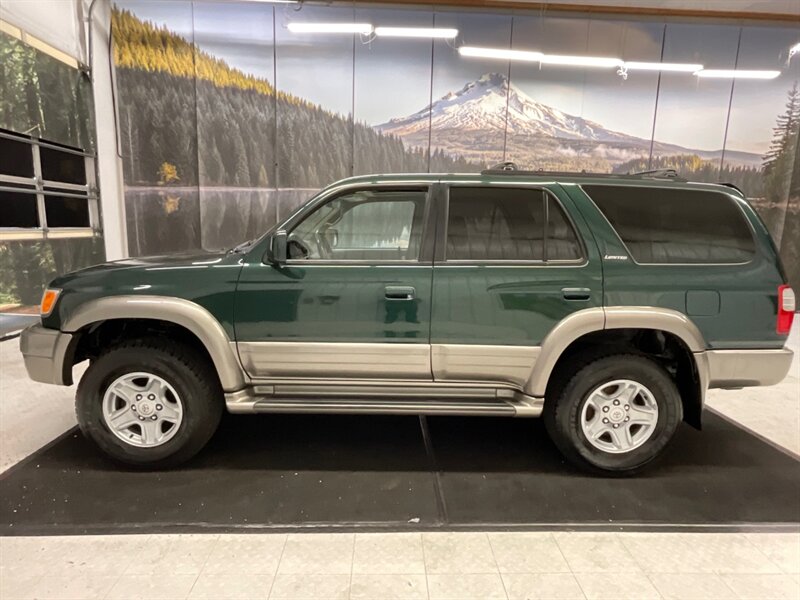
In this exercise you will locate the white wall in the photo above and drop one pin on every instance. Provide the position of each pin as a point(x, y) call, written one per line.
point(109, 166)
point(57, 22)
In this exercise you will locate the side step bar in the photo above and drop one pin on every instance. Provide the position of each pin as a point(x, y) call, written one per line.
point(505, 403)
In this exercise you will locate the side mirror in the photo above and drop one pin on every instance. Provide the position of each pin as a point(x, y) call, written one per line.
point(277, 253)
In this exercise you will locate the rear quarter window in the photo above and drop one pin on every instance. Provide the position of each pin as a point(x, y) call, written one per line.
point(675, 226)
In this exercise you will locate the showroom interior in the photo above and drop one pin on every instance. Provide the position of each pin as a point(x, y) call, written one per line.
point(200, 128)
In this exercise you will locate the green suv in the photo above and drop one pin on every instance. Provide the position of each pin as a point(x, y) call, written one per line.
point(606, 304)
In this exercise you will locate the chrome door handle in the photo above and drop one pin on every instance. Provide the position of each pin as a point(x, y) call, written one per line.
point(400, 292)
point(576, 293)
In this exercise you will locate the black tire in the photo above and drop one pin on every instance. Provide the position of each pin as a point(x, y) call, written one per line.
point(563, 408)
point(189, 372)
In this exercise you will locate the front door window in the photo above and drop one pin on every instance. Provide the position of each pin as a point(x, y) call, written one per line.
point(367, 225)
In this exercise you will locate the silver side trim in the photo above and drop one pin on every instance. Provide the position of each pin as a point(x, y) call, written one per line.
point(473, 362)
point(182, 312)
point(336, 360)
point(743, 368)
point(484, 402)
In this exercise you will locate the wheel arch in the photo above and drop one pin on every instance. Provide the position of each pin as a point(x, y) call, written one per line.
point(604, 329)
point(178, 311)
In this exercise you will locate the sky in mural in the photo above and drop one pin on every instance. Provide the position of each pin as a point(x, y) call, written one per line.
point(386, 79)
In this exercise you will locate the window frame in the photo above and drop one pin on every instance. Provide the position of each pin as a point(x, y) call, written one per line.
point(41, 188)
point(326, 196)
point(731, 198)
point(441, 253)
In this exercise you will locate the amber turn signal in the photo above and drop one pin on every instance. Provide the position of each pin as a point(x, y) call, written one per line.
point(48, 301)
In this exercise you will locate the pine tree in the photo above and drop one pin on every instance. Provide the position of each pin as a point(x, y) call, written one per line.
point(782, 160)
point(784, 134)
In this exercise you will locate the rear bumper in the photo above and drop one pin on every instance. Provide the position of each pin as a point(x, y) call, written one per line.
point(744, 368)
point(45, 353)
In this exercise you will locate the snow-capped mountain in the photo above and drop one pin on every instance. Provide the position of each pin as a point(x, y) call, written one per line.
point(467, 122)
point(481, 104)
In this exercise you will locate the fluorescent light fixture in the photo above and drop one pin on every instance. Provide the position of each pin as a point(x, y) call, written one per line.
point(365, 28)
point(736, 74)
point(417, 32)
point(499, 53)
point(581, 61)
point(658, 66)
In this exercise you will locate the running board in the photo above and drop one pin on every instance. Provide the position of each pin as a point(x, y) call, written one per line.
point(469, 402)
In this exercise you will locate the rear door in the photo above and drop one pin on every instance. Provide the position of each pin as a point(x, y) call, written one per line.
point(511, 261)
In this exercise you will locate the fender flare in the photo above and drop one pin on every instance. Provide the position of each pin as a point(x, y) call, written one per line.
point(182, 312)
point(590, 320)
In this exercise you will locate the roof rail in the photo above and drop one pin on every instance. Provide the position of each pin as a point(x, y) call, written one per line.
point(509, 168)
point(671, 173)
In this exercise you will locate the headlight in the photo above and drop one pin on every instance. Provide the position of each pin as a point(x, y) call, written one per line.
point(49, 301)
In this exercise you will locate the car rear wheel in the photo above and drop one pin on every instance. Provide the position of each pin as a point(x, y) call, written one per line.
point(147, 404)
point(615, 414)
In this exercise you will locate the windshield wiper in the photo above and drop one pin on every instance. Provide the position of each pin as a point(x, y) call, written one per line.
point(241, 247)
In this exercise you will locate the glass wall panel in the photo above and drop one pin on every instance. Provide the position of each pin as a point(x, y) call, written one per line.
point(566, 117)
point(315, 98)
point(155, 67)
point(692, 111)
point(469, 94)
point(235, 121)
point(761, 153)
point(43, 96)
point(392, 82)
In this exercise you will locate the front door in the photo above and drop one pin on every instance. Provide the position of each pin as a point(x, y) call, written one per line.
point(510, 265)
point(352, 300)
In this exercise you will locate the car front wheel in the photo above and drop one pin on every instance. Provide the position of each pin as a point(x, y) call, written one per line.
point(147, 404)
point(615, 414)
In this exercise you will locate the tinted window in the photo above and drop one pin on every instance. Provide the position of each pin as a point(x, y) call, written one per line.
point(66, 212)
point(18, 210)
point(675, 226)
point(63, 167)
point(17, 158)
point(562, 242)
point(364, 225)
point(486, 223)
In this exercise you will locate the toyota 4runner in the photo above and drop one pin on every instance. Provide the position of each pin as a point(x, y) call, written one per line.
point(606, 304)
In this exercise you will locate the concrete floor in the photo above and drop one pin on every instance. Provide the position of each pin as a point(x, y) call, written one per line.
point(757, 565)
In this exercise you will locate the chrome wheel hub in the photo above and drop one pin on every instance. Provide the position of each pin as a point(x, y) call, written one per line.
point(142, 409)
point(619, 416)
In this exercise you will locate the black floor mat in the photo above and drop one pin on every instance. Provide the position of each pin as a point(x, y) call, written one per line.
point(353, 471)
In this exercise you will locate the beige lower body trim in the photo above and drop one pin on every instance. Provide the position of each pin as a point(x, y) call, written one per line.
point(511, 365)
point(743, 368)
point(334, 360)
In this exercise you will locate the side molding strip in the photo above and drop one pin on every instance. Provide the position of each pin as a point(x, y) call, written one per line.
point(182, 312)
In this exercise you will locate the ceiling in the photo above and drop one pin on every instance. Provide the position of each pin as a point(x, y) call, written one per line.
point(767, 7)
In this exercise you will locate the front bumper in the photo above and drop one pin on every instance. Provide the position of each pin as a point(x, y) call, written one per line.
point(46, 354)
point(744, 368)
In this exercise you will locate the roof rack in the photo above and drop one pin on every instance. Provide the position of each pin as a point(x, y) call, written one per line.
point(511, 169)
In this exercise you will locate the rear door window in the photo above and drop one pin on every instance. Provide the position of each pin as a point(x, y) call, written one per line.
point(675, 226)
point(508, 224)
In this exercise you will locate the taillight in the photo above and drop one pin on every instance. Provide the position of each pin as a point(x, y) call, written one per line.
point(786, 307)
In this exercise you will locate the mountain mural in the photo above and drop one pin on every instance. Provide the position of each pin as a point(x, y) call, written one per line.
point(471, 121)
